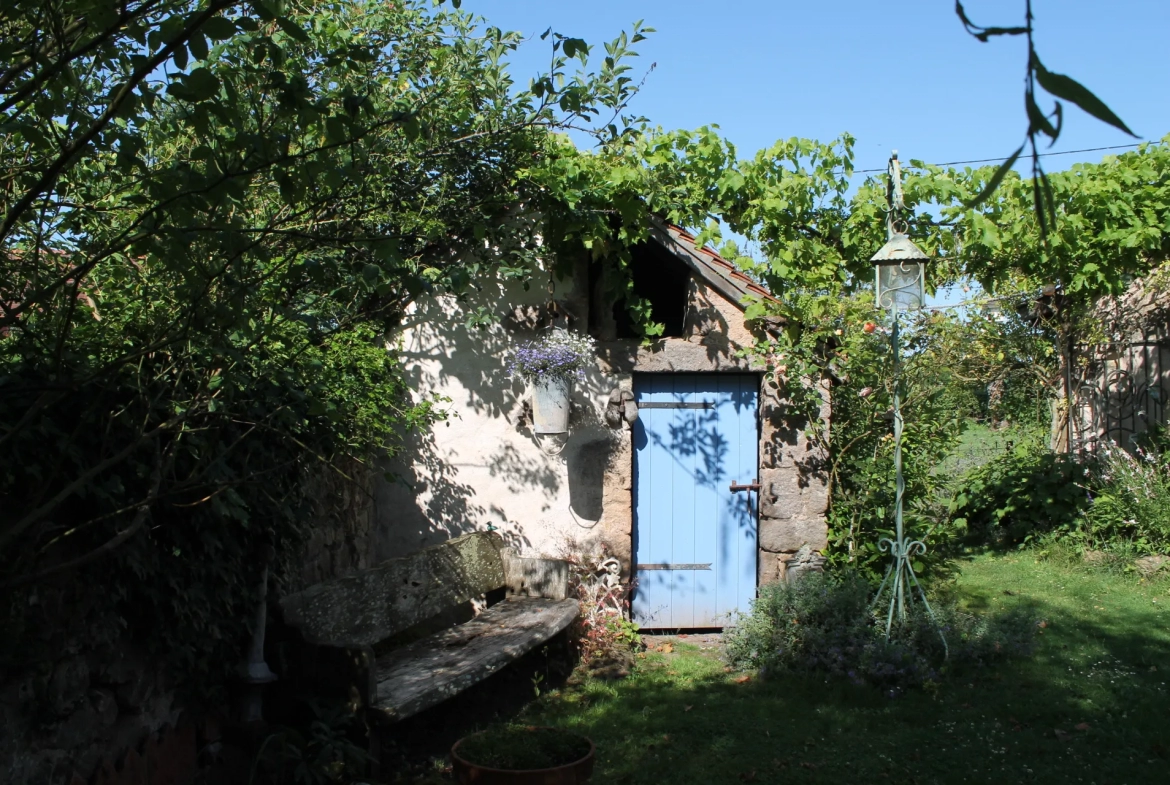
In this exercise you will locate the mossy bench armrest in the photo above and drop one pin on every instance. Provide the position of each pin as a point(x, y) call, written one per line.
point(344, 619)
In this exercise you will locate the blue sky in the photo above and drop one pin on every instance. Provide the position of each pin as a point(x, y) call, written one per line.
point(894, 73)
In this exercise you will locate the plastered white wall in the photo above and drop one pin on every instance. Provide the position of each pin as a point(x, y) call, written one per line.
point(483, 466)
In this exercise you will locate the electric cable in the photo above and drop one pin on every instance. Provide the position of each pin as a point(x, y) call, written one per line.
point(1041, 155)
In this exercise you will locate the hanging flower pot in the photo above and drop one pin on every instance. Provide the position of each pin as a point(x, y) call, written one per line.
point(551, 404)
point(550, 363)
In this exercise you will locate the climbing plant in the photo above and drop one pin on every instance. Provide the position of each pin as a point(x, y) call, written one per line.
point(1040, 123)
point(1036, 285)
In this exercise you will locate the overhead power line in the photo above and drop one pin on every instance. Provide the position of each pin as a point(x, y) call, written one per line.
point(1042, 155)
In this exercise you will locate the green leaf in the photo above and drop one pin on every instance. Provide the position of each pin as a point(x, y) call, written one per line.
point(576, 47)
point(1071, 90)
point(995, 180)
point(263, 10)
point(217, 28)
point(198, 45)
point(335, 131)
point(984, 33)
point(1036, 118)
point(201, 84)
point(292, 29)
point(180, 57)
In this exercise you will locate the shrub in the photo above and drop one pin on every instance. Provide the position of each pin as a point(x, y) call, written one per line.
point(1022, 493)
point(1130, 507)
point(825, 623)
point(321, 752)
point(603, 631)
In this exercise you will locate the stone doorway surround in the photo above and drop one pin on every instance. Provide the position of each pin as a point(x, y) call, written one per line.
point(793, 495)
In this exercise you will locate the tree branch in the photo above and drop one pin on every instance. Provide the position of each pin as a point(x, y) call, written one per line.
point(105, 118)
point(135, 525)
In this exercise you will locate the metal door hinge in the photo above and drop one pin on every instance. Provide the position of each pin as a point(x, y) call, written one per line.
point(754, 485)
point(676, 404)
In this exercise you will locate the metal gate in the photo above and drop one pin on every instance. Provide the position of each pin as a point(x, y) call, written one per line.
point(1123, 394)
point(695, 496)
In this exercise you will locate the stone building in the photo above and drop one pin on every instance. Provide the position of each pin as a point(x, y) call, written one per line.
point(708, 493)
point(1120, 377)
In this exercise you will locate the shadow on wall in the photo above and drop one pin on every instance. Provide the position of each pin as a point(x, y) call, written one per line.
point(430, 494)
point(401, 523)
point(586, 479)
point(709, 324)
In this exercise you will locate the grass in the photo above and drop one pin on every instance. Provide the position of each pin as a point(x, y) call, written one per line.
point(1090, 706)
point(979, 444)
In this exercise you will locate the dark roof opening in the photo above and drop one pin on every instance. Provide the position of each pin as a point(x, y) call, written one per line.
point(659, 277)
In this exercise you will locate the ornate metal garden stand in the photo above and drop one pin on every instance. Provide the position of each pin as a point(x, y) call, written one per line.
point(900, 286)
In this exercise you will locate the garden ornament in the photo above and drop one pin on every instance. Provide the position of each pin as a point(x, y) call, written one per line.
point(900, 271)
point(621, 407)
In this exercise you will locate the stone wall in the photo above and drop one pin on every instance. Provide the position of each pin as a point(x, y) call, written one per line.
point(341, 537)
point(77, 693)
point(794, 493)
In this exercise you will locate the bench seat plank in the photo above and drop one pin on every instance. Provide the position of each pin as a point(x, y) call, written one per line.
point(429, 671)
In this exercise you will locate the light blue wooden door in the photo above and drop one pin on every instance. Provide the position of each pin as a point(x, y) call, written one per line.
point(694, 538)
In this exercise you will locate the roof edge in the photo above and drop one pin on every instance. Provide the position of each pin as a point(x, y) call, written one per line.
point(712, 268)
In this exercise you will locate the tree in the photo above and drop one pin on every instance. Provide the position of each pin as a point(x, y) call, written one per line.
point(212, 211)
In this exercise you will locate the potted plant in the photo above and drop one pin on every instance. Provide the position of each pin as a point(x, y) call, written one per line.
point(523, 755)
point(551, 363)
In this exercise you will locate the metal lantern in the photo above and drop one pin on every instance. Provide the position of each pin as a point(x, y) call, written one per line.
point(901, 274)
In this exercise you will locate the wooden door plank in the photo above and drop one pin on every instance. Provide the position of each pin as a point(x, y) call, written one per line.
point(749, 462)
point(659, 489)
point(686, 445)
point(713, 473)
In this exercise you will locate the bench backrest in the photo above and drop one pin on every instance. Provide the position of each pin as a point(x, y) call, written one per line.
point(370, 606)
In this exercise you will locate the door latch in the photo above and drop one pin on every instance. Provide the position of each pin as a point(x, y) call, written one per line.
point(754, 485)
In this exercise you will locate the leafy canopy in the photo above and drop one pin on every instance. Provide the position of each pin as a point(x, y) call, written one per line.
point(212, 212)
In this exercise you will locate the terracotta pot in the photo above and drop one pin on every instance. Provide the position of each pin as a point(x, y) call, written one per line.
point(467, 773)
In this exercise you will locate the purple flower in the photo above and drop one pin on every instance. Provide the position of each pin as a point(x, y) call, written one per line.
point(558, 353)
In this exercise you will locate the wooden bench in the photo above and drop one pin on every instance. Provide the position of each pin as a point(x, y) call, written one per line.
point(347, 622)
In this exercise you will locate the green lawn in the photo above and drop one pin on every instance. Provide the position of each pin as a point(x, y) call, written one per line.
point(1090, 706)
point(979, 444)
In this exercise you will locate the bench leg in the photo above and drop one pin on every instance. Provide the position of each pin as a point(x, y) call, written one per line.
point(373, 747)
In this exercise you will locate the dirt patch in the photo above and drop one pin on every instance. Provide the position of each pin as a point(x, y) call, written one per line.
point(705, 641)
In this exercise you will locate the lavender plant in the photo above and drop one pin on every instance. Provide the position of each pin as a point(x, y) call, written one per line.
point(826, 623)
point(558, 354)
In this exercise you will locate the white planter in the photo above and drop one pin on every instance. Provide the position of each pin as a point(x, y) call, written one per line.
point(550, 404)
